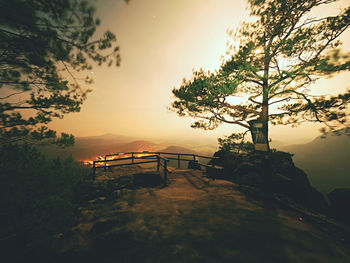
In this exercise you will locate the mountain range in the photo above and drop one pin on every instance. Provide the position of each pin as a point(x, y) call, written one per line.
point(326, 161)
point(88, 148)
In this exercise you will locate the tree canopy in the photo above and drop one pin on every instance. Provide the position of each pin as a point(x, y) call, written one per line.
point(275, 65)
point(46, 50)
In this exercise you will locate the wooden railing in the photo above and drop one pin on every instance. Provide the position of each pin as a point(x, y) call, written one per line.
point(149, 157)
point(194, 157)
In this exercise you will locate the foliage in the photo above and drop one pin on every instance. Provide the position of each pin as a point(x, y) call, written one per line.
point(36, 194)
point(235, 143)
point(279, 57)
point(47, 49)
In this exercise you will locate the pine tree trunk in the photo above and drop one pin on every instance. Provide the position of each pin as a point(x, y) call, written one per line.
point(265, 107)
point(265, 93)
point(265, 120)
point(260, 128)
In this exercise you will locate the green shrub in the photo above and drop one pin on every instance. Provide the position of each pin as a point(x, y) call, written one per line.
point(235, 143)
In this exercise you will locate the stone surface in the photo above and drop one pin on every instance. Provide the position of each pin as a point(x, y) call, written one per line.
point(275, 173)
point(194, 165)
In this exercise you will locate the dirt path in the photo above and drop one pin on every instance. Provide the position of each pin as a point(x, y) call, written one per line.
point(196, 219)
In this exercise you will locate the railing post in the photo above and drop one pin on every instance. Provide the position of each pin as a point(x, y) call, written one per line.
point(105, 168)
point(178, 161)
point(165, 172)
point(93, 170)
point(194, 157)
point(158, 163)
point(132, 157)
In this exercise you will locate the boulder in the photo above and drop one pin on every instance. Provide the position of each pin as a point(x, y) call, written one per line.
point(147, 179)
point(274, 172)
point(194, 165)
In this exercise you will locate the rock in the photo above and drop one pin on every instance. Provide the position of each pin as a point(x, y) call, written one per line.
point(247, 173)
point(215, 172)
point(274, 172)
point(339, 204)
point(150, 179)
point(194, 165)
point(223, 158)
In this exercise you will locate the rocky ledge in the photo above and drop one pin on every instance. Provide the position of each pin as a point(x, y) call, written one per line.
point(273, 173)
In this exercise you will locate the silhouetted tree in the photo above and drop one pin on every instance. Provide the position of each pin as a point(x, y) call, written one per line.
point(46, 48)
point(278, 58)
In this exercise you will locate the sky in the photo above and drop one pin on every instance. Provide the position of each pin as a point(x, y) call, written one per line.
point(161, 41)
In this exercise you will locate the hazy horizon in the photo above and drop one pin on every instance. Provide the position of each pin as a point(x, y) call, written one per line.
point(191, 139)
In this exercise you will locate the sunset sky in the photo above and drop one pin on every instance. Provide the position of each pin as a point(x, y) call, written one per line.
point(161, 42)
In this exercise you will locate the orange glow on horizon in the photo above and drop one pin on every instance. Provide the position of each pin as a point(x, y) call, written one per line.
point(113, 157)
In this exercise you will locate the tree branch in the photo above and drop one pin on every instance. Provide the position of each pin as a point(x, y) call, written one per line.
point(240, 108)
point(13, 94)
point(277, 101)
point(221, 118)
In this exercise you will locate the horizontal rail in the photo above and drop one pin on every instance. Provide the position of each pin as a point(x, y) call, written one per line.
point(186, 154)
point(190, 154)
point(153, 158)
point(125, 158)
point(149, 154)
point(207, 157)
point(122, 164)
point(164, 153)
point(125, 153)
point(171, 158)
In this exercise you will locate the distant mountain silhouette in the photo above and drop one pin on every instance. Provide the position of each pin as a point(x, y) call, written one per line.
point(92, 146)
point(325, 161)
point(178, 149)
point(140, 145)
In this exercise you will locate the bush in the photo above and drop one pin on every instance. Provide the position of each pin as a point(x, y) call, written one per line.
point(36, 194)
point(235, 143)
